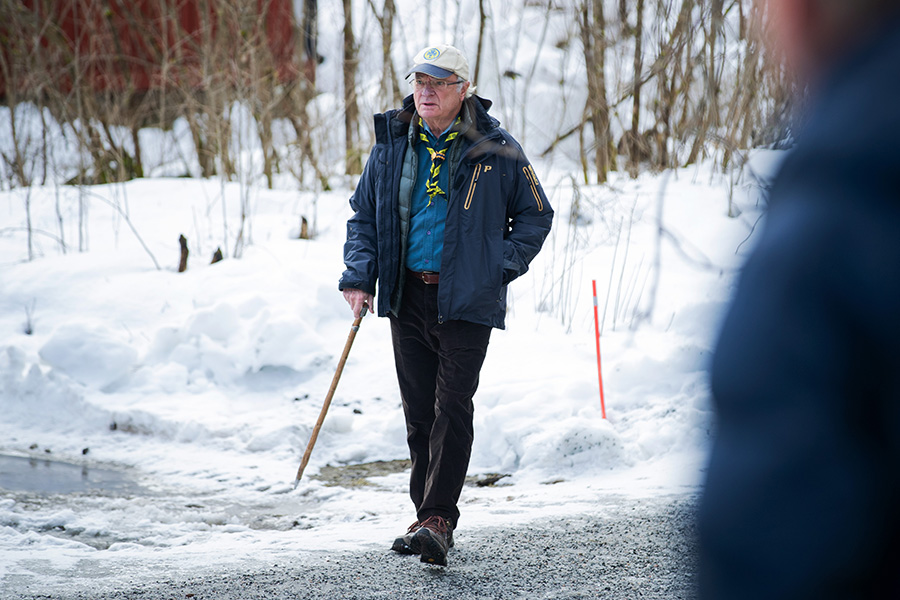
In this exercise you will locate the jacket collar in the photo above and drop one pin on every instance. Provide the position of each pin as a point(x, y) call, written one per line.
point(395, 123)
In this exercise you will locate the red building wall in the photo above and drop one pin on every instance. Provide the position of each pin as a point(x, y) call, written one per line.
point(139, 45)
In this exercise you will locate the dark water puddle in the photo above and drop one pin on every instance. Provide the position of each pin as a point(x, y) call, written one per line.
point(44, 476)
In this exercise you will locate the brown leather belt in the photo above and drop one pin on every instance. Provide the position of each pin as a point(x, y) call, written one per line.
point(428, 277)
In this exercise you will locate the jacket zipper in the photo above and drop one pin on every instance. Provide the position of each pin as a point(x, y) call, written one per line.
point(475, 175)
point(472, 187)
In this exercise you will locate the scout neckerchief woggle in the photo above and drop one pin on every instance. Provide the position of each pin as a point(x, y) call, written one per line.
point(437, 159)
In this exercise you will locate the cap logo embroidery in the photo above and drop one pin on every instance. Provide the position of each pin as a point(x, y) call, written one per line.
point(431, 54)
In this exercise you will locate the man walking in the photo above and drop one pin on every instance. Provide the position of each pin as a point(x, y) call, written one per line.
point(803, 487)
point(447, 213)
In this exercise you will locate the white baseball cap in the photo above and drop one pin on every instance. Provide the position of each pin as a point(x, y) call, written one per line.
point(440, 61)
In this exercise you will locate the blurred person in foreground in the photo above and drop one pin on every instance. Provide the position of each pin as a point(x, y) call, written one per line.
point(802, 498)
point(447, 213)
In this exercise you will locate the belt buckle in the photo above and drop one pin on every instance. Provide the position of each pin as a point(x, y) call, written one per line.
point(429, 277)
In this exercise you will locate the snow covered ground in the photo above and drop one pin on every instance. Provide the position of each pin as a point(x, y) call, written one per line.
point(204, 385)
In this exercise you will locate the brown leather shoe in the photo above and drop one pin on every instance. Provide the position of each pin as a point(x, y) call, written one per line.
point(405, 544)
point(433, 540)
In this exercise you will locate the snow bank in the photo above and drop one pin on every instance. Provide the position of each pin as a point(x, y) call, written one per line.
point(206, 384)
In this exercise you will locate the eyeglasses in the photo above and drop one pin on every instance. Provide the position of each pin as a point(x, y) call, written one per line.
point(435, 84)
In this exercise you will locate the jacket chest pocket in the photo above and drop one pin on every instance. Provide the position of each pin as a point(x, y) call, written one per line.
point(482, 207)
point(483, 174)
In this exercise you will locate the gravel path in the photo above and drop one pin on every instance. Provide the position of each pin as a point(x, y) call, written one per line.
point(645, 549)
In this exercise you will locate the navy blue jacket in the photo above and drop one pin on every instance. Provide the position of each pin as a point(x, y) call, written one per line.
point(802, 499)
point(497, 218)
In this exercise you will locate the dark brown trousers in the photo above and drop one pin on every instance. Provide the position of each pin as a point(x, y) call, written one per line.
point(438, 365)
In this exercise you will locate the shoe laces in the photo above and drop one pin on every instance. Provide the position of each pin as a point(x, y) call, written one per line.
point(413, 527)
point(436, 524)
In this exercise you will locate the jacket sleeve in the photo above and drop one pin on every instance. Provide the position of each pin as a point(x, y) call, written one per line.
point(802, 484)
point(361, 247)
point(529, 217)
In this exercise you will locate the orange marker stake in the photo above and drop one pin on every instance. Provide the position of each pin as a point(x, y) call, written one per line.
point(597, 333)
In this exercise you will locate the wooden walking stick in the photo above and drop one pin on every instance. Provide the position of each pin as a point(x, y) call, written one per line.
point(334, 382)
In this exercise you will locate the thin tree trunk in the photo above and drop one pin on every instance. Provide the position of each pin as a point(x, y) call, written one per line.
point(390, 88)
point(635, 147)
point(390, 12)
point(482, 18)
point(306, 91)
point(351, 108)
point(593, 36)
point(664, 133)
point(709, 116)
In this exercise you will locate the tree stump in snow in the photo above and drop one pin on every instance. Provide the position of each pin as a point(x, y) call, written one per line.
point(182, 265)
point(217, 256)
point(304, 228)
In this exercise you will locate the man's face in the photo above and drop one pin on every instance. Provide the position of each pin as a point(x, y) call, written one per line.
point(811, 34)
point(436, 103)
point(787, 31)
